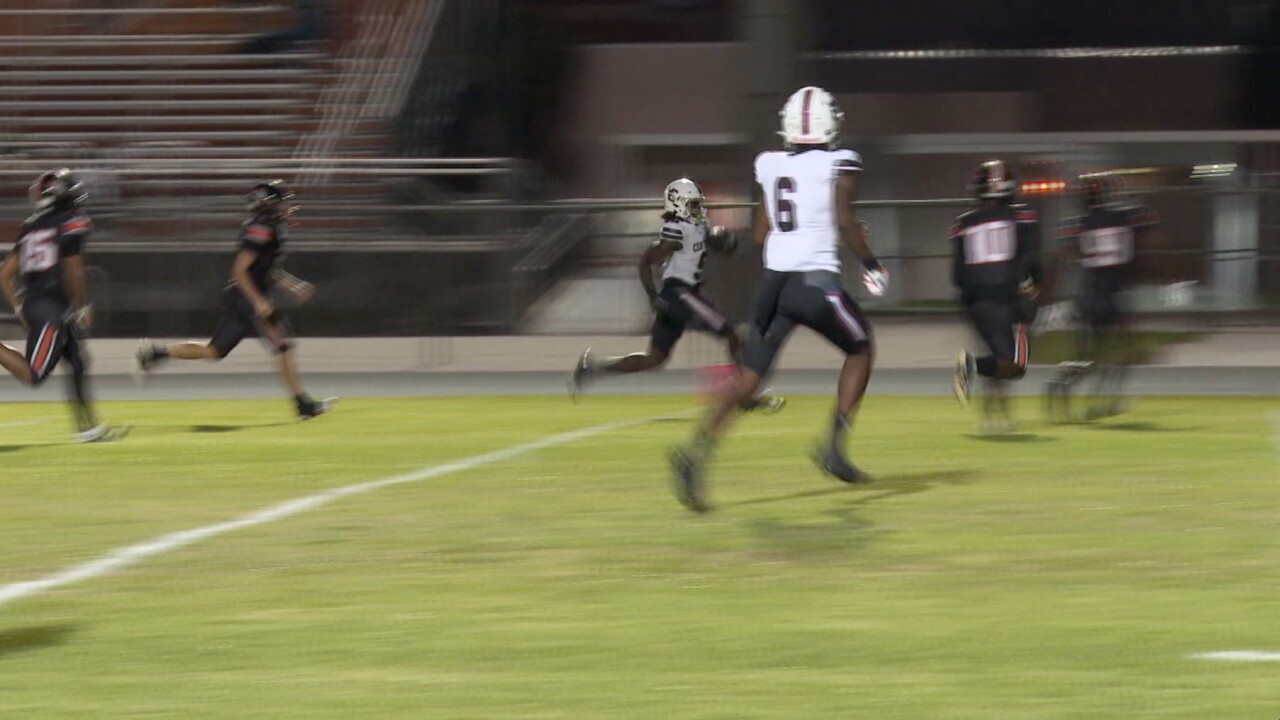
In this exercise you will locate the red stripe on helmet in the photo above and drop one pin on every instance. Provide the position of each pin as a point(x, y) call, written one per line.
point(804, 112)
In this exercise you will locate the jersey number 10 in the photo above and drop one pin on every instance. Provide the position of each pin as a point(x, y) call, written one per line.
point(990, 243)
point(39, 252)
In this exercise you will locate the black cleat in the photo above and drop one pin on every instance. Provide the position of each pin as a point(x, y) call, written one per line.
point(580, 377)
point(688, 479)
point(963, 377)
point(834, 463)
point(315, 408)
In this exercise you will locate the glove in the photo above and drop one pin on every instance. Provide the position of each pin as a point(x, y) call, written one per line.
point(1028, 289)
point(876, 281)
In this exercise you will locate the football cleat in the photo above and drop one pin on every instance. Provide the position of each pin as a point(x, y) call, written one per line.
point(834, 463)
point(315, 408)
point(103, 433)
point(963, 377)
point(687, 468)
point(769, 404)
point(581, 375)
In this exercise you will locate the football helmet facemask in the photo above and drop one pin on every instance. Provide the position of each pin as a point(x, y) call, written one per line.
point(58, 188)
point(684, 200)
point(992, 181)
point(270, 196)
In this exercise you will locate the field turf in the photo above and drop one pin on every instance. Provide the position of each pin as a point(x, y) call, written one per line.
point(1065, 573)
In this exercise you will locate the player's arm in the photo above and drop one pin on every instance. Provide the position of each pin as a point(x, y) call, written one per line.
point(957, 256)
point(856, 235)
point(262, 306)
point(760, 222)
point(75, 278)
point(656, 254)
point(300, 289)
point(9, 271)
point(1032, 270)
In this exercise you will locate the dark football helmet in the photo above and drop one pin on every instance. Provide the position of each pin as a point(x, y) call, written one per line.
point(992, 181)
point(1098, 190)
point(271, 196)
point(56, 189)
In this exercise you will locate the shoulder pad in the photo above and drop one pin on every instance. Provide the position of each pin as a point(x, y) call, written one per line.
point(77, 224)
point(847, 161)
point(258, 232)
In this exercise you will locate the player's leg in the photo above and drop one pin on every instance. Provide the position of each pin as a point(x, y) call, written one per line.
point(275, 335)
point(763, 342)
point(830, 312)
point(666, 331)
point(78, 387)
point(706, 317)
point(234, 325)
point(15, 363)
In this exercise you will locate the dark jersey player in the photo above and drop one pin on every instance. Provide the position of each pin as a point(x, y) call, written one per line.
point(53, 304)
point(681, 252)
point(1103, 242)
point(996, 268)
point(247, 309)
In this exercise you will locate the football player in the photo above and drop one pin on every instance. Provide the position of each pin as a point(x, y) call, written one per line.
point(806, 212)
point(247, 308)
point(996, 268)
point(53, 304)
point(1103, 241)
point(680, 250)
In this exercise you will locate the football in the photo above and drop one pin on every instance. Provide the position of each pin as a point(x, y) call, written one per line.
point(722, 240)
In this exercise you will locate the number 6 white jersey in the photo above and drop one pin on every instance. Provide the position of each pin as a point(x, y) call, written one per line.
point(800, 197)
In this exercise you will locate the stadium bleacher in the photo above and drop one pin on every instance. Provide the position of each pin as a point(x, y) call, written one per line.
point(172, 80)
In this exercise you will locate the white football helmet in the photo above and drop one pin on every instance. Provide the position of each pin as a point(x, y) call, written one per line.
point(811, 117)
point(684, 200)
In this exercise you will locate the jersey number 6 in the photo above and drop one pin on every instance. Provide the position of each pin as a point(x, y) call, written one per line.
point(784, 210)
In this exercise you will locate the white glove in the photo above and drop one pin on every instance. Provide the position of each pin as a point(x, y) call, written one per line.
point(876, 281)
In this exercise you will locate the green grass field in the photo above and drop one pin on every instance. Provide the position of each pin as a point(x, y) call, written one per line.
point(1063, 573)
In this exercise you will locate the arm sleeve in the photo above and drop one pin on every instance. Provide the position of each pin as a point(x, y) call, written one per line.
point(253, 237)
point(1029, 251)
point(957, 256)
point(848, 161)
point(73, 235)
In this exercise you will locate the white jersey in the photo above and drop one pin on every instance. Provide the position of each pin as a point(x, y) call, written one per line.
point(800, 197)
point(685, 264)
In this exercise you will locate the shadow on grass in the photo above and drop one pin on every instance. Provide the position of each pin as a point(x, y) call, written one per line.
point(879, 488)
point(28, 446)
point(38, 637)
point(1022, 437)
point(1143, 426)
point(841, 528)
point(236, 428)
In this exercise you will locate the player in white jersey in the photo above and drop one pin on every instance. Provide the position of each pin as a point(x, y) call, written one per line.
point(680, 250)
point(806, 212)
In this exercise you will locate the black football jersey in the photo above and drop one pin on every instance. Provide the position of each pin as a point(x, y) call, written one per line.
point(1105, 240)
point(44, 241)
point(264, 235)
point(995, 247)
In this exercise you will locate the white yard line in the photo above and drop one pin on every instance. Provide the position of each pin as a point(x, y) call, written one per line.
point(134, 554)
point(1239, 656)
point(25, 423)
